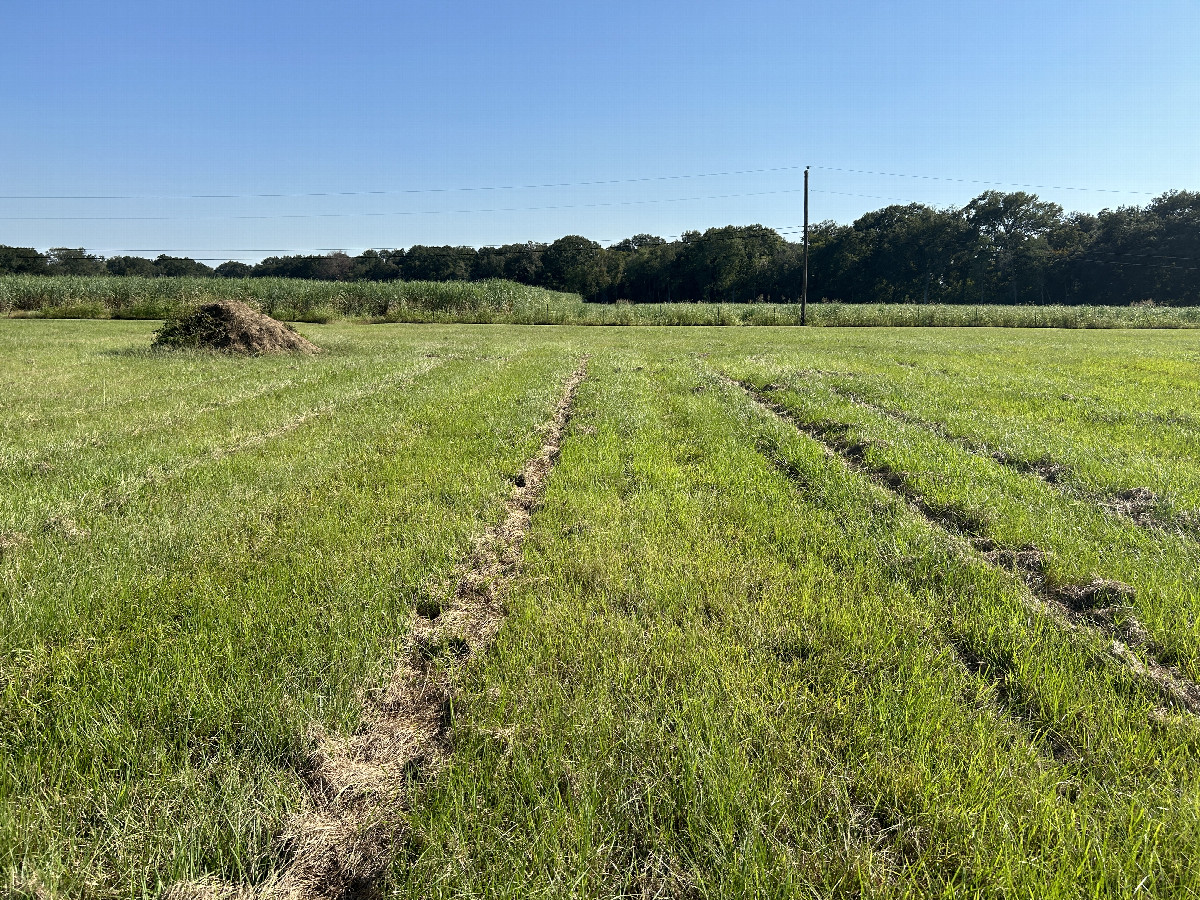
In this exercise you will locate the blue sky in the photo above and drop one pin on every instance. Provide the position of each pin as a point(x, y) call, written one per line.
point(1099, 102)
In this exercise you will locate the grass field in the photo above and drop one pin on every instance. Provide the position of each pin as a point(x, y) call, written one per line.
point(779, 613)
point(505, 302)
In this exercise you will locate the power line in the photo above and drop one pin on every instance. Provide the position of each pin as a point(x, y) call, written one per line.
point(424, 212)
point(1040, 187)
point(441, 190)
point(561, 184)
point(865, 196)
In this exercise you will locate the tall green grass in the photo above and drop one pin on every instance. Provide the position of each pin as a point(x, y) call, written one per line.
point(203, 557)
point(731, 665)
point(284, 298)
point(505, 302)
point(736, 668)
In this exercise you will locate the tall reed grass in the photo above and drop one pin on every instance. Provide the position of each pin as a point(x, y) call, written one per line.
point(504, 302)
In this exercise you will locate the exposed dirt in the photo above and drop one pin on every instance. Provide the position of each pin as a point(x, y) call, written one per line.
point(64, 527)
point(340, 846)
point(1139, 504)
point(1184, 692)
point(230, 326)
point(1045, 468)
point(1097, 593)
point(9, 541)
point(1027, 561)
point(1108, 605)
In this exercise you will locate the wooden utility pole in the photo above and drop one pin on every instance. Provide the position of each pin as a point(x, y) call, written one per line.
point(804, 290)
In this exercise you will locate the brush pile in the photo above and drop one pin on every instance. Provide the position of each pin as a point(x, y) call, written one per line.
point(230, 326)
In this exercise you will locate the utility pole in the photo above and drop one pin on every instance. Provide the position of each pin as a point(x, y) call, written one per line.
point(804, 290)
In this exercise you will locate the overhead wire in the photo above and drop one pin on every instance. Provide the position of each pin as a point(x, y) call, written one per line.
point(544, 207)
point(399, 191)
point(1040, 187)
point(426, 212)
point(561, 184)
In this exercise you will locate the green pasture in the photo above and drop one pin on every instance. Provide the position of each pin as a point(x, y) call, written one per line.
point(753, 648)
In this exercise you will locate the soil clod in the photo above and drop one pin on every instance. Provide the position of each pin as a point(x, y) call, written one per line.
point(10, 540)
point(1097, 593)
point(1027, 561)
point(1139, 504)
point(64, 527)
point(230, 326)
point(1045, 468)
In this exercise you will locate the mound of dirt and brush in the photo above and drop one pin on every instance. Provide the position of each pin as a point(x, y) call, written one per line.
point(230, 326)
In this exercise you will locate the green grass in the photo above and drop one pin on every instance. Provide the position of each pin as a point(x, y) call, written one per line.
point(731, 666)
point(504, 302)
point(188, 597)
point(1113, 415)
point(284, 298)
point(1008, 404)
point(722, 680)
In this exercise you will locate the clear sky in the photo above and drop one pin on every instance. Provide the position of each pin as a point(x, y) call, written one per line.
point(406, 104)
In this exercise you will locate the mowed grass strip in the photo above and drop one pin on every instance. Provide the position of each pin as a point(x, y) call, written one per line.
point(159, 668)
point(75, 450)
point(724, 676)
point(1078, 540)
point(1105, 412)
point(733, 666)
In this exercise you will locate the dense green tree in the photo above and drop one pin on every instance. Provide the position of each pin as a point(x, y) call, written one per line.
point(489, 263)
point(523, 262)
point(233, 269)
point(904, 254)
point(374, 265)
point(1011, 246)
point(423, 263)
point(1067, 243)
point(130, 265)
point(180, 267)
point(647, 272)
point(330, 267)
point(637, 242)
point(730, 264)
point(1174, 255)
point(22, 261)
point(73, 261)
point(576, 264)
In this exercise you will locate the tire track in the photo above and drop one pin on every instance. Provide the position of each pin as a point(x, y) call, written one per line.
point(1138, 505)
point(116, 496)
point(1090, 610)
point(27, 460)
point(64, 523)
point(340, 847)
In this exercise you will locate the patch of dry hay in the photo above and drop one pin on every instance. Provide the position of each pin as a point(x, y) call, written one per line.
point(233, 327)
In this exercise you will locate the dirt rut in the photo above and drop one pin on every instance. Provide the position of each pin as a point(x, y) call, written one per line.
point(1102, 606)
point(339, 847)
point(1075, 607)
point(1138, 505)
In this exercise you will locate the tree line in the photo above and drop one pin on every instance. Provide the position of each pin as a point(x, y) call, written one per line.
point(999, 248)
